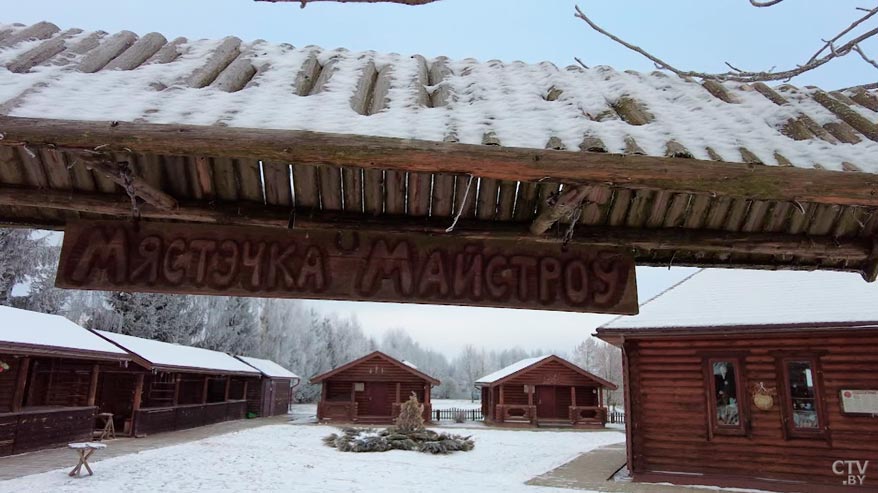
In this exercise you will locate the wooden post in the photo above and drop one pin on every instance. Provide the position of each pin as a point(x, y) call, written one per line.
point(93, 385)
point(573, 402)
point(138, 392)
point(427, 393)
point(246, 383)
point(204, 389)
point(177, 389)
point(353, 411)
point(398, 390)
point(530, 395)
point(20, 383)
point(228, 387)
point(501, 394)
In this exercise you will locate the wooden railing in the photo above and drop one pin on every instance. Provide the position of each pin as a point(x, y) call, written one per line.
point(36, 428)
point(159, 419)
point(516, 413)
point(595, 415)
point(616, 417)
point(337, 410)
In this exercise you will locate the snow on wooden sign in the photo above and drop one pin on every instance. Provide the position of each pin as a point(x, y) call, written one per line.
point(359, 266)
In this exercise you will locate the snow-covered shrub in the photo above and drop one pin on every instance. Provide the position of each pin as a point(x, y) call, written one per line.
point(370, 440)
point(459, 416)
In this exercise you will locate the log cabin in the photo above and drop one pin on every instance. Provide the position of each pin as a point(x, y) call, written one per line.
point(273, 393)
point(50, 370)
point(233, 132)
point(178, 386)
point(544, 391)
point(371, 390)
point(764, 380)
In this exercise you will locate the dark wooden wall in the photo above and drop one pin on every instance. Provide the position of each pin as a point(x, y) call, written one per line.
point(282, 397)
point(668, 407)
point(33, 430)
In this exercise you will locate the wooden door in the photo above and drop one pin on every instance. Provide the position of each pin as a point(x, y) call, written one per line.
point(546, 402)
point(378, 401)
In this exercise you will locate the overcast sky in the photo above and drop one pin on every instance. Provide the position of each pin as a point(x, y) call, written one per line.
point(691, 34)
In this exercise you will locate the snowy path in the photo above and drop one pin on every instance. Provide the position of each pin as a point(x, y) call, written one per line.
point(292, 458)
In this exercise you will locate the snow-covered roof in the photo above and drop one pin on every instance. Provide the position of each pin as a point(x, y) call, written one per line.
point(410, 364)
point(509, 370)
point(267, 367)
point(725, 297)
point(80, 75)
point(50, 331)
point(175, 356)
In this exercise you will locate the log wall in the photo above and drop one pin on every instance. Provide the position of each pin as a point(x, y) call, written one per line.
point(668, 422)
point(8, 380)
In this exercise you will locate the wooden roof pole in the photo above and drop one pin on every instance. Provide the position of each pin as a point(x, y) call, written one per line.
point(856, 250)
point(753, 181)
point(20, 383)
point(140, 187)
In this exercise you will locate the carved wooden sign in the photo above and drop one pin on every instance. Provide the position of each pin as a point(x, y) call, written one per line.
point(345, 265)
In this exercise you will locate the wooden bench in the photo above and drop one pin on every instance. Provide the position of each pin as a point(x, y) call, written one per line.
point(84, 449)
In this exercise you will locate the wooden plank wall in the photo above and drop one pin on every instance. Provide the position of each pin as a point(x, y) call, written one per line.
point(59, 382)
point(282, 396)
point(549, 373)
point(669, 423)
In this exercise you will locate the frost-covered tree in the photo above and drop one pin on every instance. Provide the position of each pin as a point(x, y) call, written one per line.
point(231, 325)
point(162, 317)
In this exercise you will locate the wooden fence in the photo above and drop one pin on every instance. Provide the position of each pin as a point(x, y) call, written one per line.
point(452, 413)
point(616, 417)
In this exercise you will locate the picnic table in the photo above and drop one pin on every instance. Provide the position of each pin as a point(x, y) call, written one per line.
point(84, 449)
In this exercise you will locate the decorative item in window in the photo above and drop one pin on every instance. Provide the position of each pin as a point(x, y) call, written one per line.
point(802, 395)
point(725, 393)
point(763, 397)
point(359, 387)
point(4, 366)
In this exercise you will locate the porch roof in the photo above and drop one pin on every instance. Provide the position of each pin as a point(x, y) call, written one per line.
point(225, 131)
point(28, 332)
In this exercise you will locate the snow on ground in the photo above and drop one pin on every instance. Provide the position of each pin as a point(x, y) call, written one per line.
point(455, 404)
point(292, 458)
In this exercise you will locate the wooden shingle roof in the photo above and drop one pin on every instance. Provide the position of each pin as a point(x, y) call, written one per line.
point(226, 131)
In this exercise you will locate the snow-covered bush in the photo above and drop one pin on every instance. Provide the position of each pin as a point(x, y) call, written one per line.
point(460, 416)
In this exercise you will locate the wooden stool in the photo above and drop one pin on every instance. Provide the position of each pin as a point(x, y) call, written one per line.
point(109, 429)
point(85, 450)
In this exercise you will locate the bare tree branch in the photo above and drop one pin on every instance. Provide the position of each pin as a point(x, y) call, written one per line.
point(305, 2)
point(863, 55)
point(739, 75)
point(768, 3)
point(869, 13)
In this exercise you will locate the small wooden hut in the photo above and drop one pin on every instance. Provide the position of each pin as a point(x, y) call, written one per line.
point(765, 380)
point(544, 391)
point(371, 389)
point(49, 373)
point(272, 394)
point(180, 386)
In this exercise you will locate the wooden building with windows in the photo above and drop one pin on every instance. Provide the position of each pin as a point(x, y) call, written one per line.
point(754, 379)
point(371, 389)
point(50, 369)
point(178, 387)
point(273, 393)
point(544, 391)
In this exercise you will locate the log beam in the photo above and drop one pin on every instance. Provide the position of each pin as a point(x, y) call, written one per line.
point(140, 187)
point(856, 250)
point(753, 181)
point(93, 385)
point(570, 199)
